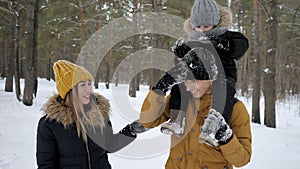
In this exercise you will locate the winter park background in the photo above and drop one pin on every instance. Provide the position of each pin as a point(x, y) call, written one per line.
point(272, 148)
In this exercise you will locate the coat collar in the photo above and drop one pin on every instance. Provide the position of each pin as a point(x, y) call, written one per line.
point(204, 102)
point(54, 110)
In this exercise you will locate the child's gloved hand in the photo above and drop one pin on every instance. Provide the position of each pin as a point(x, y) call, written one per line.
point(176, 74)
point(180, 48)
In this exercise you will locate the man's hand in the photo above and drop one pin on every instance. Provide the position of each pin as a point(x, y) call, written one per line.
point(215, 131)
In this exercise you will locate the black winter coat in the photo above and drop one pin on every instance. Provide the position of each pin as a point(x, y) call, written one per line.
point(238, 43)
point(60, 147)
point(238, 46)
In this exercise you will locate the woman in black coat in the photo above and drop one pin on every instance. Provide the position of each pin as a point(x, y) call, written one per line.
point(75, 132)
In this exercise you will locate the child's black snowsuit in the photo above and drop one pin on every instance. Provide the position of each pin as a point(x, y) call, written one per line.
point(238, 45)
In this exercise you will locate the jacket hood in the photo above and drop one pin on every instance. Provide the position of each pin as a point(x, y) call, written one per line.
point(225, 20)
point(54, 110)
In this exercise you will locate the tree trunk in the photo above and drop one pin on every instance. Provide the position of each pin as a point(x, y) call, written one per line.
point(138, 81)
point(132, 88)
point(246, 57)
point(270, 69)
point(156, 42)
point(2, 60)
point(17, 58)
point(30, 52)
point(9, 67)
point(256, 64)
point(244, 79)
point(107, 72)
point(82, 25)
point(133, 83)
point(48, 69)
point(116, 63)
point(97, 77)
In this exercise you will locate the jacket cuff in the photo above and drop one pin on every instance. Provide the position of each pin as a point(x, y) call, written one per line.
point(230, 146)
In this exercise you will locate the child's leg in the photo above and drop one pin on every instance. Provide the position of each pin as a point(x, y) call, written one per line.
point(175, 99)
point(178, 105)
point(223, 97)
point(229, 100)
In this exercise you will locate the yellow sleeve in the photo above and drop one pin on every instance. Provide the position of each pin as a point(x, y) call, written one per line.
point(155, 110)
point(238, 151)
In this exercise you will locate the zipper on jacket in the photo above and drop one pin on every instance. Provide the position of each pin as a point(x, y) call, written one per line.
point(88, 154)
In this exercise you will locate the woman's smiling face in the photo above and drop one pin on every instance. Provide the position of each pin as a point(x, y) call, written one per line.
point(84, 91)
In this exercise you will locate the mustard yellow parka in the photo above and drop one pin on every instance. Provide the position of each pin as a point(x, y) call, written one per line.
point(187, 152)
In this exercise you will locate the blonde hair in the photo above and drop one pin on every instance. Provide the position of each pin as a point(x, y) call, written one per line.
point(88, 115)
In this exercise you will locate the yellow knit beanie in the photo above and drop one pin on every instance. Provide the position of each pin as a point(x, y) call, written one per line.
point(67, 75)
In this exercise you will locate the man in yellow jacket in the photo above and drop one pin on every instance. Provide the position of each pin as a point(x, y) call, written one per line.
point(208, 141)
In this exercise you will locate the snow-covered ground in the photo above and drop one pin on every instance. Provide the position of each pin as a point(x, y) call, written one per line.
point(272, 148)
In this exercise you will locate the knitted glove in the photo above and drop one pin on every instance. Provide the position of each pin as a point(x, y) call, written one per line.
point(131, 130)
point(215, 131)
point(176, 74)
point(191, 67)
point(220, 43)
point(191, 58)
point(180, 48)
point(224, 134)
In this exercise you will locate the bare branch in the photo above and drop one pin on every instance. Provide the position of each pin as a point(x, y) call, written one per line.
point(6, 11)
point(89, 3)
point(59, 4)
point(294, 18)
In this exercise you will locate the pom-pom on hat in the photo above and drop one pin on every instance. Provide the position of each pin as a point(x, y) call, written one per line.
point(67, 75)
point(204, 12)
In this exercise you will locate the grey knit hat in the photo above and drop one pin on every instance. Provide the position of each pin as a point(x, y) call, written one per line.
point(204, 12)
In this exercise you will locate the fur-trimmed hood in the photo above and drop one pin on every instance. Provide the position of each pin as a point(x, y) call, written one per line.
point(54, 110)
point(225, 20)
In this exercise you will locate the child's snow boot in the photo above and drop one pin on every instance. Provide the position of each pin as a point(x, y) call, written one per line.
point(176, 124)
